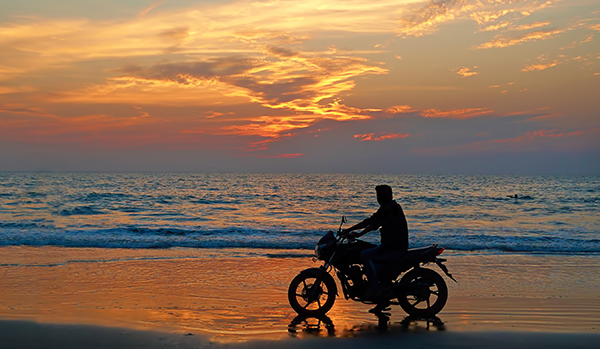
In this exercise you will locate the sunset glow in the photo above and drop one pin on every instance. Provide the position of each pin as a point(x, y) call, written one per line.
point(288, 86)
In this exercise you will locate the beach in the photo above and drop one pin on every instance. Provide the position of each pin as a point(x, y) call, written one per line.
point(153, 260)
point(182, 297)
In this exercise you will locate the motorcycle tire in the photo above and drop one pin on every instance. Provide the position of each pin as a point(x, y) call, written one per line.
point(304, 301)
point(419, 286)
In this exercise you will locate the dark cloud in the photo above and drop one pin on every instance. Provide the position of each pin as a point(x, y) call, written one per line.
point(281, 52)
point(276, 92)
point(185, 72)
point(176, 34)
point(435, 8)
point(285, 79)
point(426, 15)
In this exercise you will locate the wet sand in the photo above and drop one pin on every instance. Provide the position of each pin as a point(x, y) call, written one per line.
point(30, 335)
point(197, 298)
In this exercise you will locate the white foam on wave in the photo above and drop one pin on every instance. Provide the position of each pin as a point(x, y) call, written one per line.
point(240, 237)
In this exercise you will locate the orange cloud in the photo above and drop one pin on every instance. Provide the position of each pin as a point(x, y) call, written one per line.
point(501, 42)
point(530, 136)
point(214, 114)
point(37, 126)
point(496, 27)
point(19, 109)
point(380, 136)
point(534, 138)
point(483, 17)
point(136, 91)
point(231, 54)
point(294, 81)
point(270, 127)
point(456, 113)
point(508, 25)
point(545, 62)
point(214, 29)
point(426, 19)
point(540, 66)
point(419, 20)
point(531, 26)
point(399, 109)
point(465, 71)
point(281, 156)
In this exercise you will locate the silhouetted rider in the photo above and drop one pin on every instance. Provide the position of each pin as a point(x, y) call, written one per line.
point(393, 230)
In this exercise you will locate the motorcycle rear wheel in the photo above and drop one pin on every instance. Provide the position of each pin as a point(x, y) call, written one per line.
point(307, 298)
point(424, 293)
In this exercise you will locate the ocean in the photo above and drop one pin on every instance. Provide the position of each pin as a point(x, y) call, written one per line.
point(463, 213)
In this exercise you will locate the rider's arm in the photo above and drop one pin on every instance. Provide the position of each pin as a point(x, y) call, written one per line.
point(367, 229)
point(357, 226)
point(367, 225)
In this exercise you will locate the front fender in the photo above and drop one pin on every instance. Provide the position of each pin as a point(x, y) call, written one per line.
point(321, 273)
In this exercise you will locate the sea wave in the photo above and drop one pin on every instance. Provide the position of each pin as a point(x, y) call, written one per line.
point(242, 237)
point(291, 211)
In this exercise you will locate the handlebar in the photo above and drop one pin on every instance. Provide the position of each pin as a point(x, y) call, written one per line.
point(341, 237)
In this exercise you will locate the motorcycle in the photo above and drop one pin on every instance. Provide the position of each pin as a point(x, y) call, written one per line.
point(420, 292)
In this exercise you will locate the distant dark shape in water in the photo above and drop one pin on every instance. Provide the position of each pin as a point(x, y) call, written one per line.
point(516, 196)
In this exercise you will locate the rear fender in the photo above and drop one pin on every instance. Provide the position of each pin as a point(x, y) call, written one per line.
point(440, 263)
point(323, 274)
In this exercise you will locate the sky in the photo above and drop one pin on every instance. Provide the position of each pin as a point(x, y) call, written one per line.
point(340, 86)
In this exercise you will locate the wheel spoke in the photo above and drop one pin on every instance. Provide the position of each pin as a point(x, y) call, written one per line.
point(417, 302)
point(307, 304)
point(425, 293)
point(312, 295)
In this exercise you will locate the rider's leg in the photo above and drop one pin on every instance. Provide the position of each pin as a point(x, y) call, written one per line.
point(366, 257)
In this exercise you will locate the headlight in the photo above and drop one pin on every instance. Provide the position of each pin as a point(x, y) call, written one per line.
point(318, 250)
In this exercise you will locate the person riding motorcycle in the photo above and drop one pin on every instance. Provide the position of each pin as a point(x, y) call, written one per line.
point(393, 231)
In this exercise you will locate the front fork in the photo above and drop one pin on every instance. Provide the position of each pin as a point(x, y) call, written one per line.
point(323, 273)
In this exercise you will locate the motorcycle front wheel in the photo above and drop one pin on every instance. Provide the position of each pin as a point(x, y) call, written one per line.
point(311, 295)
point(424, 293)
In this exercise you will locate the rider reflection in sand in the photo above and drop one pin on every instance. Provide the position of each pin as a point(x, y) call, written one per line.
point(393, 230)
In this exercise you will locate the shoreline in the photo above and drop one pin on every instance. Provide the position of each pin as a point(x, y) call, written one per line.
point(31, 335)
point(226, 296)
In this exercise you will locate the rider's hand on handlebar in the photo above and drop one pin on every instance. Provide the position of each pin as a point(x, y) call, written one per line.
point(348, 234)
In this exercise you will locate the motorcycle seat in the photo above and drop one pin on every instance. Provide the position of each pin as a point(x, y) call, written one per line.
point(420, 249)
point(411, 255)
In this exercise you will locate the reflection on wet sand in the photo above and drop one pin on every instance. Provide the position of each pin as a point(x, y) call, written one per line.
point(312, 325)
point(233, 295)
point(323, 326)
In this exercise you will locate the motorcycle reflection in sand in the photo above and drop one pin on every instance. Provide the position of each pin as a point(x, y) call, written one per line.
point(322, 325)
point(421, 292)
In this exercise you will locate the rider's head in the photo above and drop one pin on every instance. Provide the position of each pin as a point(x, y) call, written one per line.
point(384, 194)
